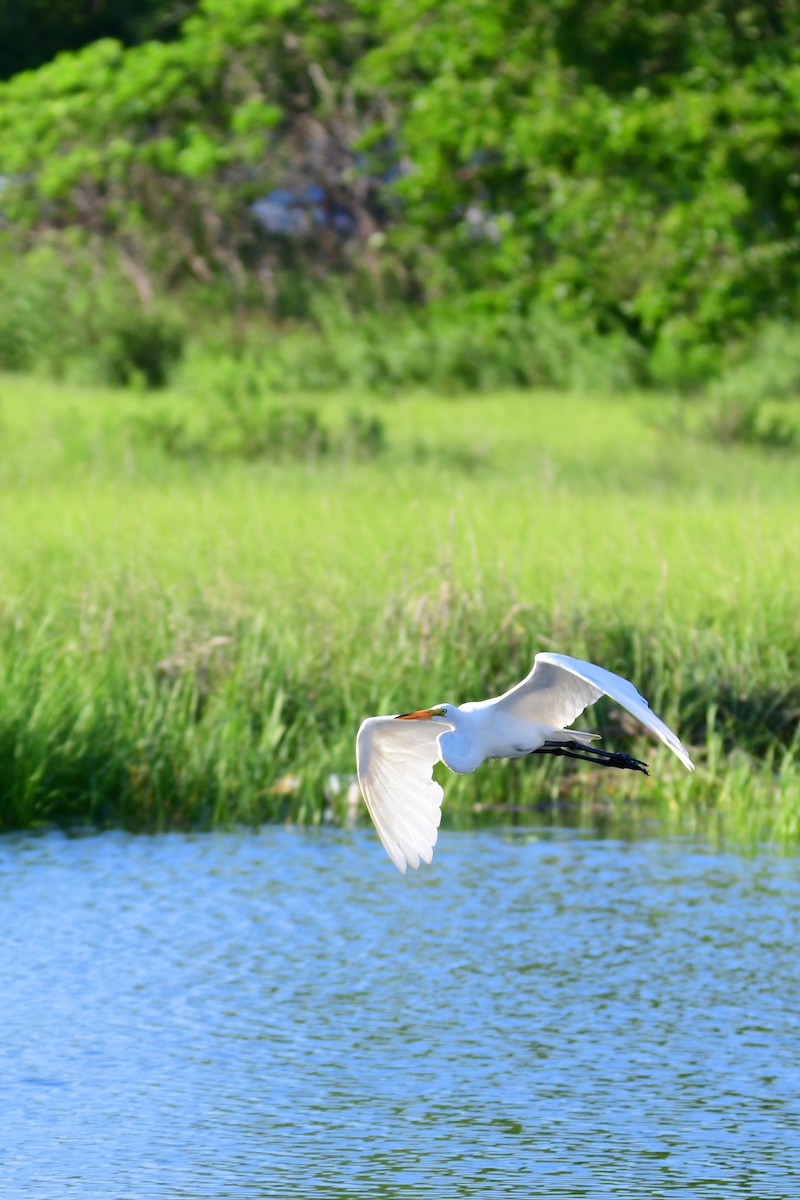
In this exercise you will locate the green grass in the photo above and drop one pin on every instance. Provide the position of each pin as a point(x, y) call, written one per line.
point(194, 640)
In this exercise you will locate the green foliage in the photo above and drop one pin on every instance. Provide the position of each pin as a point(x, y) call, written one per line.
point(627, 168)
point(160, 148)
point(631, 164)
point(66, 310)
point(34, 31)
point(769, 426)
point(754, 401)
point(141, 347)
point(767, 370)
point(248, 425)
point(458, 348)
point(42, 314)
point(751, 424)
point(16, 342)
point(448, 348)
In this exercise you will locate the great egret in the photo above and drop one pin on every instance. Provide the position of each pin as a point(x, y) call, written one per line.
point(395, 755)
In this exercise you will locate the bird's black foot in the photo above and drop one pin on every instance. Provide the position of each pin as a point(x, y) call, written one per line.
point(593, 754)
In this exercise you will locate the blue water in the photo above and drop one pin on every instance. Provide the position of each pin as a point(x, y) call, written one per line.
point(283, 1014)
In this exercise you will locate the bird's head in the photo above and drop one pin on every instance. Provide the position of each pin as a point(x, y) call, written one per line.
point(439, 712)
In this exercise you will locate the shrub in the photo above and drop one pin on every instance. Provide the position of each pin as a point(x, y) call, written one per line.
point(42, 307)
point(749, 423)
point(67, 309)
point(769, 369)
point(259, 430)
point(467, 349)
point(140, 347)
point(17, 344)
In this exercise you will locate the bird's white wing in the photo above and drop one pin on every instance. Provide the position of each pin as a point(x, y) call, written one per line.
point(395, 761)
point(559, 688)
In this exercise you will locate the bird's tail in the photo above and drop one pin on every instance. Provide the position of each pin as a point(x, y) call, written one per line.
point(573, 735)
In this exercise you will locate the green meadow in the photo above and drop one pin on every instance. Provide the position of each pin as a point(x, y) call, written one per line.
point(196, 616)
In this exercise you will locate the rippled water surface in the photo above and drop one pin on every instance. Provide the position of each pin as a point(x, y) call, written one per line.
point(282, 1014)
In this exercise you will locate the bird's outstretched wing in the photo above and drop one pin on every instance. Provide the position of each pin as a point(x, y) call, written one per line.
point(559, 688)
point(395, 761)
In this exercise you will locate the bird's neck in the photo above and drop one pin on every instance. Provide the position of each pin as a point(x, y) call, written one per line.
point(460, 752)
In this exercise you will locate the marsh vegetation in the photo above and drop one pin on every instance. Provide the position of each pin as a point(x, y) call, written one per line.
point(191, 637)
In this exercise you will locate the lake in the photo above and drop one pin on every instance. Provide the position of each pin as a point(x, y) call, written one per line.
point(539, 1013)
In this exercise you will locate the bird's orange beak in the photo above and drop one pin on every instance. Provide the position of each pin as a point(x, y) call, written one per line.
point(422, 714)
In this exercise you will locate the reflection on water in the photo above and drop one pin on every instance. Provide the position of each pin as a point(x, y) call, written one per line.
point(283, 1014)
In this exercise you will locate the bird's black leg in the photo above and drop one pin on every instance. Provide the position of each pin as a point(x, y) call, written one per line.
point(593, 754)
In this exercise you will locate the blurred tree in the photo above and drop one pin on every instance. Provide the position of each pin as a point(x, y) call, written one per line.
point(164, 150)
point(634, 163)
point(34, 31)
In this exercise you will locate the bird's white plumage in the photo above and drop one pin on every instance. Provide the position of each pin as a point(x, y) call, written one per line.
point(559, 688)
point(395, 770)
point(395, 757)
point(550, 694)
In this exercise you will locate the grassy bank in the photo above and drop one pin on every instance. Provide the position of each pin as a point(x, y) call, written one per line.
point(193, 626)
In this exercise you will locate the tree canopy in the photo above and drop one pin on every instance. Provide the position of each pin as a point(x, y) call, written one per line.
point(634, 165)
point(34, 31)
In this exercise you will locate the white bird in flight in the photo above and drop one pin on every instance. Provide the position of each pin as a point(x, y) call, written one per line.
point(395, 755)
